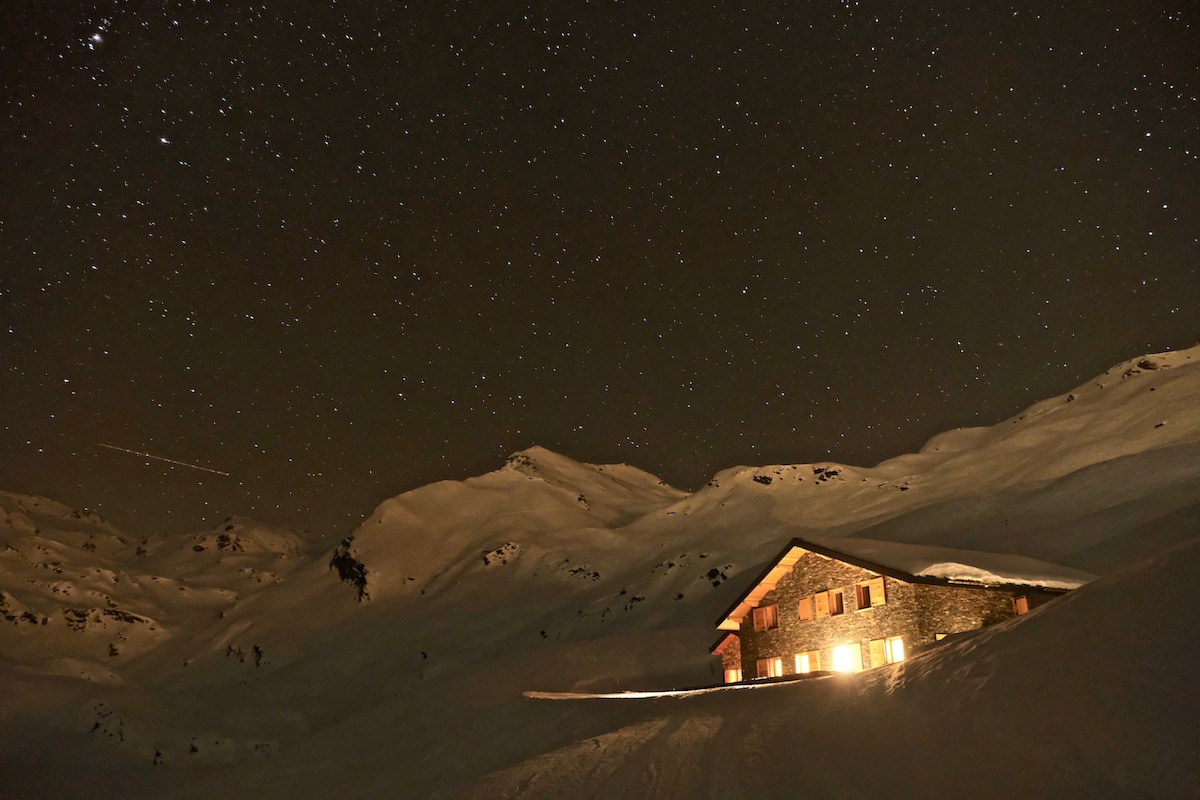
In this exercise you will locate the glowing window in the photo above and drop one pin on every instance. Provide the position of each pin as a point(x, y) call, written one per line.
point(886, 651)
point(1020, 605)
point(733, 675)
point(769, 667)
point(847, 658)
point(808, 662)
point(766, 618)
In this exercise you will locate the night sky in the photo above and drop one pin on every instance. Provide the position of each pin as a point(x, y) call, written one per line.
point(339, 250)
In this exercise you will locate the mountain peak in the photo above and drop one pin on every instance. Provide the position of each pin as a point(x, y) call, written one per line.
point(534, 459)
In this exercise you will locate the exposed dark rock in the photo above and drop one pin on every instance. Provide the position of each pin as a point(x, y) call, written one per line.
point(584, 572)
point(717, 576)
point(506, 552)
point(77, 618)
point(350, 569)
point(124, 616)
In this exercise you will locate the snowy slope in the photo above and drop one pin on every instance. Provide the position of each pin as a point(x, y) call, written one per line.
point(399, 659)
point(86, 601)
point(1065, 480)
point(1047, 705)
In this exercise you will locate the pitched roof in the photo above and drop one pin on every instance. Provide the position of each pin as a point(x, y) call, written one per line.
point(911, 563)
point(721, 643)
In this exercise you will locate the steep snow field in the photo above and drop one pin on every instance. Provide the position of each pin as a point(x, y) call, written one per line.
point(238, 662)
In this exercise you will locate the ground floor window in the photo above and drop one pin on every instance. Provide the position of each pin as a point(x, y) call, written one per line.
point(886, 651)
point(847, 657)
point(1020, 605)
point(770, 667)
point(733, 674)
point(808, 662)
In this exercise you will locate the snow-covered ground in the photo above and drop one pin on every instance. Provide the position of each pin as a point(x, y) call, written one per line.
point(465, 638)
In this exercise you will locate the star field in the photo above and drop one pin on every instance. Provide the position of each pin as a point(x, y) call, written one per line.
point(344, 249)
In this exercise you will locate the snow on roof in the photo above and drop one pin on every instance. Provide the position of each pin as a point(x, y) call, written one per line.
point(955, 565)
point(913, 563)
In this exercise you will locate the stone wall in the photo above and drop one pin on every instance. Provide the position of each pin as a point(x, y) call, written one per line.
point(915, 612)
point(730, 654)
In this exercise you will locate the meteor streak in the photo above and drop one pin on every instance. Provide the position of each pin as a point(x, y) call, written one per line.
point(160, 458)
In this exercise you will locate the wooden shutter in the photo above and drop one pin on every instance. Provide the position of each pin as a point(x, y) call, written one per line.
point(822, 603)
point(878, 653)
point(837, 602)
point(806, 611)
point(878, 598)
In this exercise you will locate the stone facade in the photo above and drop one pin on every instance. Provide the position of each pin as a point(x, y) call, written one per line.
point(916, 613)
point(729, 648)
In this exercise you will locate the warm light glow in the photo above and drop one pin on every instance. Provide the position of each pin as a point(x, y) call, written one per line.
point(808, 662)
point(766, 618)
point(733, 675)
point(895, 649)
point(843, 658)
point(770, 667)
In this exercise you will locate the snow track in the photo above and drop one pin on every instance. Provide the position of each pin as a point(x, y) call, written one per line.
point(660, 759)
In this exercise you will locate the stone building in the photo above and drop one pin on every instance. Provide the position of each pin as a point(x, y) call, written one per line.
point(848, 604)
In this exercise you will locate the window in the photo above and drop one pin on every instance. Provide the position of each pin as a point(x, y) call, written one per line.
point(886, 651)
point(806, 609)
point(836, 604)
point(829, 604)
point(1020, 605)
point(766, 618)
point(847, 658)
point(862, 595)
point(770, 667)
point(808, 662)
point(733, 675)
point(868, 594)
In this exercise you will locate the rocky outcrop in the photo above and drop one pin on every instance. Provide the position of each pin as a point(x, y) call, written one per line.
point(349, 569)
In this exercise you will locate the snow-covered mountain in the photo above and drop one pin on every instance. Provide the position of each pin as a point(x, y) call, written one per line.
point(238, 662)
